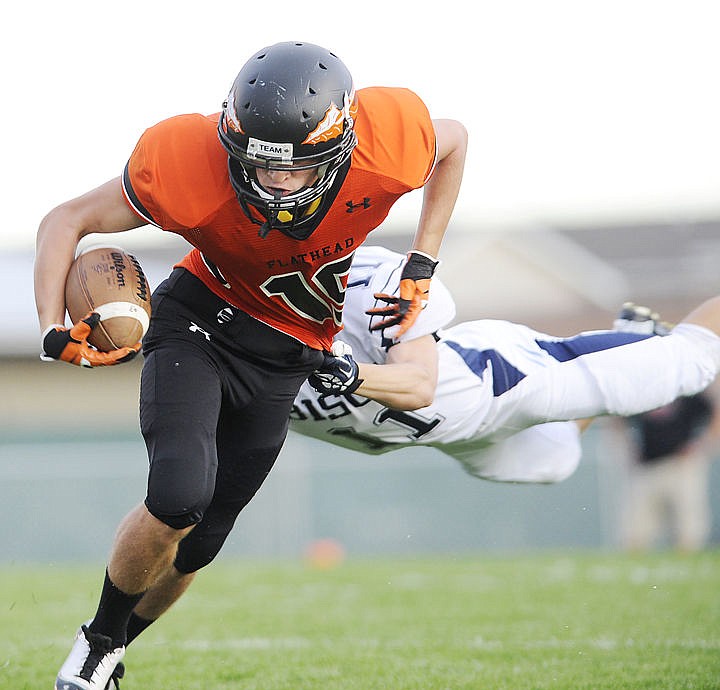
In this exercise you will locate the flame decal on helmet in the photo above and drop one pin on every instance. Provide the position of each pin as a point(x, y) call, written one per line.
point(231, 116)
point(331, 126)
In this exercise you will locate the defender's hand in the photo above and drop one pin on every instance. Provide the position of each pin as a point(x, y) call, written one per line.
point(413, 294)
point(71, 345)
point(339, 372)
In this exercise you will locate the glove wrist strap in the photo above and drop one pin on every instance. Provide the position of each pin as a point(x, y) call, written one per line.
point(425, 255)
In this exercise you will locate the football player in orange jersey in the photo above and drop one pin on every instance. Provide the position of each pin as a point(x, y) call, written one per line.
point(274, 193)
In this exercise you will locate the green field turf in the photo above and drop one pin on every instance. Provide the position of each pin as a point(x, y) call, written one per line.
point(562, 621)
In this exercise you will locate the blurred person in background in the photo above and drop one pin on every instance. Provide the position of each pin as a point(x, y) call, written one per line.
point(667, 497)
point(668, 451)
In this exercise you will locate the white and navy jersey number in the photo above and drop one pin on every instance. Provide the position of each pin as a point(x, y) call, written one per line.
point(346, 416)
point(319, 301)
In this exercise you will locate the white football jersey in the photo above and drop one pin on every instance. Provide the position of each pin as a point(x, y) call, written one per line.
point(497, 378)
point(376, 269)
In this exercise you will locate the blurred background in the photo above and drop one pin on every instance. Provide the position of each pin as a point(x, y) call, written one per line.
point(72, 461)
point(592, 179)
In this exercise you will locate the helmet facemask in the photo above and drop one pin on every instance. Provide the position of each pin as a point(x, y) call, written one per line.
point(298, 213)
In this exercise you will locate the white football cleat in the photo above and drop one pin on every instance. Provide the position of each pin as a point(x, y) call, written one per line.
point(634, 318)
point(90, 664)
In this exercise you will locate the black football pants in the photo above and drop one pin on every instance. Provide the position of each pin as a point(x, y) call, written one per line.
point(216, 392)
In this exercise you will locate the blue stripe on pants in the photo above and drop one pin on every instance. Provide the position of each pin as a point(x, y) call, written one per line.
point(571, 348)
point(506, 376)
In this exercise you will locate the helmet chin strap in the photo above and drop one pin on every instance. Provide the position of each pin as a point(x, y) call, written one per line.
point(266, 227)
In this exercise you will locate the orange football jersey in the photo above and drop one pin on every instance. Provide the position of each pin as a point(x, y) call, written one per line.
point(177, 179)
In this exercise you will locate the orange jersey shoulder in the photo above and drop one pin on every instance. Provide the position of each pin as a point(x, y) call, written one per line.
point(396, 137)
point(177, 175)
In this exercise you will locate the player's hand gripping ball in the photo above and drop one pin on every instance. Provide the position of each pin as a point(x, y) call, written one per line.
point(107, 297)
point(71, 345)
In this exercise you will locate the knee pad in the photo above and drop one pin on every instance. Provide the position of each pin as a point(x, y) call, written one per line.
point(178, 498)
point(176, 521)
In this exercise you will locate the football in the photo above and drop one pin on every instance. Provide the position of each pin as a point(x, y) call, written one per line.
point(111, 282)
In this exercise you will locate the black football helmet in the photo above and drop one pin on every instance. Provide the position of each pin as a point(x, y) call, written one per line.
point(291, 106)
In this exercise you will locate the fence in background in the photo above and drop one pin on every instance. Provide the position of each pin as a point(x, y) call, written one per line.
point(63, 499)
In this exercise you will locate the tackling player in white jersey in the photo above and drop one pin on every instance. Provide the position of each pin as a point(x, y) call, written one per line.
point(496, 396)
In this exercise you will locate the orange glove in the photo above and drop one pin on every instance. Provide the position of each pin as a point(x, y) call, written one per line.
point(413, 294)
point(71, 345)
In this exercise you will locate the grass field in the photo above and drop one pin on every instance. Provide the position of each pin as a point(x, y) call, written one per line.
point(563, 620)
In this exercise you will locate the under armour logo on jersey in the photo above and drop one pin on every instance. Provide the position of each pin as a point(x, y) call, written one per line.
point(365, 203)
point(225, 315)
point(194, 328)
